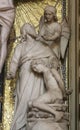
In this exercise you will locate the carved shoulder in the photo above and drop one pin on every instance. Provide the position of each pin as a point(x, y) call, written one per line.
point(57, 27)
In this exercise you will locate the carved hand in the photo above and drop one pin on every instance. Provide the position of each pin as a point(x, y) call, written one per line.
point(48, 38)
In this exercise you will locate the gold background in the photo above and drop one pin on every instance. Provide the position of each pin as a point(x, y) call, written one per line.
point(29, 11)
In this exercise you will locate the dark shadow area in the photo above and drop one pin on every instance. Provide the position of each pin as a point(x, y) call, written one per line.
point(2, 75)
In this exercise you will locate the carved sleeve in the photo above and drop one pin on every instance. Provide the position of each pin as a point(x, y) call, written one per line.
point(15, 60)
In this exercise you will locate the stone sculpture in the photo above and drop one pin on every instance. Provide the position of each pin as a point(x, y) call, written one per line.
point(49, 111)
point(43, 111)
point(52, 33)
point(54, 88)
point(33, 56)
point(28, 50)
point(7, 14)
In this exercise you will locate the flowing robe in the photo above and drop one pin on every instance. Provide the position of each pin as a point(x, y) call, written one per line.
point(30, 85)
point(52, 31)
point(7, 13)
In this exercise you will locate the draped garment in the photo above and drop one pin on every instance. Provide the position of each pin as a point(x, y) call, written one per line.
point(7, 16)
point(29, 85)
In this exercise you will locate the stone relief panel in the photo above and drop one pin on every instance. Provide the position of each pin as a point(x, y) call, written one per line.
point(40, 95)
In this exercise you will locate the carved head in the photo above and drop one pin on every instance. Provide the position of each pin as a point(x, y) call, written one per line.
point(50, 14)
point(27, 29)
point(38, 65)
point(54, 63)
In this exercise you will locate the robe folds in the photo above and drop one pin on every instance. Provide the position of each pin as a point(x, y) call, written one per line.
point(7, 16)
point(29, 85)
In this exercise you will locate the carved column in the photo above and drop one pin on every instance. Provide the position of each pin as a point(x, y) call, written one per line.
point(78, 62)
point(74, 64)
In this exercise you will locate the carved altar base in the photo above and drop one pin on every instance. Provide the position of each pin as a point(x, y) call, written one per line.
point(47, 125)
point(39, 120)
